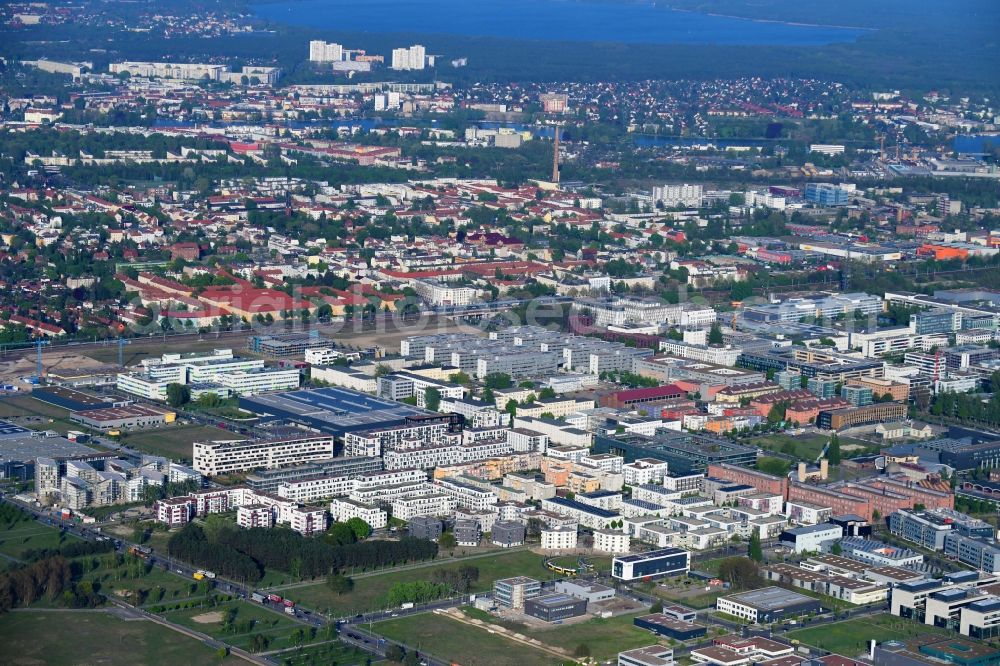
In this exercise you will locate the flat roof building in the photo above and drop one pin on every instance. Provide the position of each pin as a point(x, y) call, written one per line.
point(554, 607)
point(767, 604)
point(335, 411)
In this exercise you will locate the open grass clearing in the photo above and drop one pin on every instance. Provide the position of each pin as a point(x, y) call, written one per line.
point(603, 638)
point(97, 638)
point(173, 441)
point(463, 644)
point(369, 591)
point(31, 535)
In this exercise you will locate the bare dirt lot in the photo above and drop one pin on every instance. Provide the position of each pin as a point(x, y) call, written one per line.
point(208, 618)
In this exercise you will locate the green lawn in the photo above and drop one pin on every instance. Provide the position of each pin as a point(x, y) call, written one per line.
point(30, 535)
point(117, 582)
point(461, 643)
point(370, 590)
point(323, 654)
point(805, 447)
point(850, 637)
point(45, 416)
point(33, 638)
point(604, 638)
point(173, 441)
point(277, 627)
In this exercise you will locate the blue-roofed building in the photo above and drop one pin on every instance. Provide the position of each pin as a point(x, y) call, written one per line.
point(335, 411)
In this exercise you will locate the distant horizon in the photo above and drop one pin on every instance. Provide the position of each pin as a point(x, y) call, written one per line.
point(550, 20)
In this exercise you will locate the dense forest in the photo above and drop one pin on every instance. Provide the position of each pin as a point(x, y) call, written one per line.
point(245, 554)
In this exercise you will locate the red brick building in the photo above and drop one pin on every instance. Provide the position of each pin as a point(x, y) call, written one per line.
point(765, 483)
point(636, 397)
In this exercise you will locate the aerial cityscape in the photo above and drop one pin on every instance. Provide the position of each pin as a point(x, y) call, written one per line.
point(548, 333)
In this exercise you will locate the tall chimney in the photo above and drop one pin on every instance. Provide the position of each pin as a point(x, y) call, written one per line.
point(824, 469)
point(555, 156)
point(802, 472)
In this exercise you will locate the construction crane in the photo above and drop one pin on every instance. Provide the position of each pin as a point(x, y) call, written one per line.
point(121, 350)
point(37, 343)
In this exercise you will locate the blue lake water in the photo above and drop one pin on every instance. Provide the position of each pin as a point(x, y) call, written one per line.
point(550, 20)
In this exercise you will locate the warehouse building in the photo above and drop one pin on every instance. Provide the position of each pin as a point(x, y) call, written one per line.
point(554, 607)
point(125, 417)
point(334, 411)
point(768, 604)
point(663, 625)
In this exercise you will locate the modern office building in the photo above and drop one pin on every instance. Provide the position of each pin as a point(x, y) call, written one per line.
point(555, 607)
point(652, 564)
point(515, 592)
point(684, 452)
point(977, 552)
point(826, 194)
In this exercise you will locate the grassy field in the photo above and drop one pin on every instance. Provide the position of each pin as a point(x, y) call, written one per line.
point(173, 441)
point(805, 447)
point(603, 638)
point(30, 535)
point(96, 638)
point(156, 586)
point(278, 628)
point(850, 638)
point(323, 654)
point(461, 643)
point(43, 416)
point(370, 590)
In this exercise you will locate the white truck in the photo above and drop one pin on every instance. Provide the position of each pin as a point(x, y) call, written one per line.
point(407, 605)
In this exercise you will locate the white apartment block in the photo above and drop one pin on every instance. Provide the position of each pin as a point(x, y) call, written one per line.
point(644, 471)
point(386, 495)
point(414, 57)
point(226, 456)
point(523, 440)
point(310, 490)
point(254, 515)
point(307, 520)
point(320, 51)
point(442, 455)
point(344, 509)
point(678, 195)
point(467, 496)
point(605, 462)
point(427, 504)
point(611, 541)
point(563, 537)
point(374, 443)
point(437, 293)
